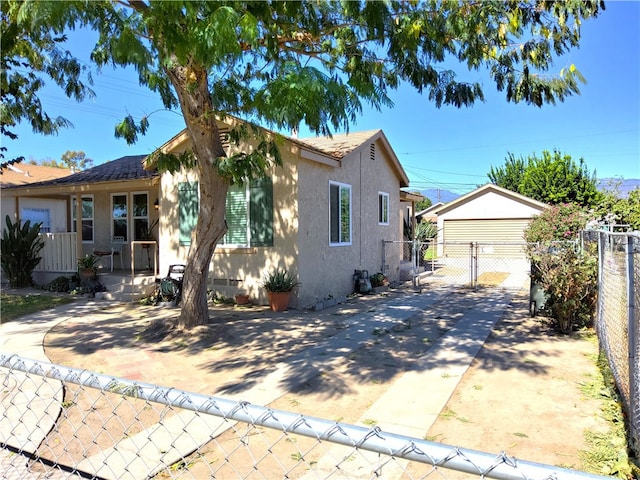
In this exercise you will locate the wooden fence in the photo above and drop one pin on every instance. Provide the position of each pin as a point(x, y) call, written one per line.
point(59, 253)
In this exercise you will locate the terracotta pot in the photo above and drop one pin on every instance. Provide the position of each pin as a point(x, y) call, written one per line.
point(87, 277)
point(242, 299)
point(279, 301)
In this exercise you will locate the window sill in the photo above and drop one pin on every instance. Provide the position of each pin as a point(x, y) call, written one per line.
point(221, 249)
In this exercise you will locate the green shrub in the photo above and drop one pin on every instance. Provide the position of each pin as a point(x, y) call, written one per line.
point(426, 230)
point(378, 280)
point(570, 280)
point(19, 252)
point(58, 284)
point(557, 223)
point(568, 276)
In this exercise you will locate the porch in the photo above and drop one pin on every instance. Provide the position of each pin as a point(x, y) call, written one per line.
point(128, 284)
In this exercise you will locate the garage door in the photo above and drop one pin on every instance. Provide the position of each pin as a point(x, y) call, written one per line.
point(499, 237)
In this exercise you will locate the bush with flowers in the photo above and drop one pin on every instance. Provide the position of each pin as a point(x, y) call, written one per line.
point(567, 274)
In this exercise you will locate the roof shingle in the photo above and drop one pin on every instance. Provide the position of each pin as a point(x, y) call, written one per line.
point(129, 167)
point(339, 145)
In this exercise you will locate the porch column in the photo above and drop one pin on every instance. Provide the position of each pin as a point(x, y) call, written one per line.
point(78, 225)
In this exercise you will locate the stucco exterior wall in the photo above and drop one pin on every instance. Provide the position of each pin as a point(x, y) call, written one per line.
point(301, 228)
point(57, 210)
point(328, 270)
point(239, 270)
point(8, 207)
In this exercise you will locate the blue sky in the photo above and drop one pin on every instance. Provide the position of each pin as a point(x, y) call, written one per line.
point(446, 148)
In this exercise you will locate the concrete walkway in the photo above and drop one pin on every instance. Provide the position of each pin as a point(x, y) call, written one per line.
point(441, 369)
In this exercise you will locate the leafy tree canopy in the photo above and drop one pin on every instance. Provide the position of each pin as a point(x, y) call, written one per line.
point(280, 64)
point(616, 209)
point(423, 204)
point(510, 175)
point(30, 54)
point(554, 178)
point(75, 160)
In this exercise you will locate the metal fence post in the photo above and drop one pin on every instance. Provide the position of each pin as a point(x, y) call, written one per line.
point(414, 261)
point(473, 264)
point(634, 370)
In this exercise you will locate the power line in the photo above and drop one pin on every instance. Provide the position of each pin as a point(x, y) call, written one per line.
point(447, 173)
point(505, 144)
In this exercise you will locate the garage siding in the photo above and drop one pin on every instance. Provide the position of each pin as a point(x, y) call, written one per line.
point(490, 234)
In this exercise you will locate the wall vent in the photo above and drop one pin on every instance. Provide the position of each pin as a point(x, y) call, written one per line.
point(224, 137)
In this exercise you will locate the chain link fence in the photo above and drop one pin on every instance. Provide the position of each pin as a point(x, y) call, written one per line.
point(617, 320)
point(618, 316)
point(469, 264)
point(59, 422)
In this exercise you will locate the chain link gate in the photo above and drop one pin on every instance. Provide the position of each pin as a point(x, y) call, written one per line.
point(469, 264)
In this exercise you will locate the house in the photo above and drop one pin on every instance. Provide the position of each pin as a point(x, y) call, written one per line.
point(114, 198)
point(322, 215)
point(429, 214)
point(490, 214)
point(26, 174)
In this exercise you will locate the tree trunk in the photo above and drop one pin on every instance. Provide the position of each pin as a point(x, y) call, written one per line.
point(192, 89)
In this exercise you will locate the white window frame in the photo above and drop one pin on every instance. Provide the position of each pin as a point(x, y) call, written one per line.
point(340, 187)
point(92, 218)
point(138, 217)
point(383, 208)
point(127, 218)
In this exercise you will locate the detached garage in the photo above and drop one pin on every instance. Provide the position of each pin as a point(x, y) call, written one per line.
point(492, 216)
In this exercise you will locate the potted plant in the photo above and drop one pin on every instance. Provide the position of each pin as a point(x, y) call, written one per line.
point(242, 299)
point(279, 284)
point(88, 269)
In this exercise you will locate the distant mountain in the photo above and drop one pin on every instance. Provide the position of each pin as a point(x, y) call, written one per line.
point(623, 186)
point(439, 195)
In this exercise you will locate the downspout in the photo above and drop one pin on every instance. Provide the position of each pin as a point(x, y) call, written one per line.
point(360, 208)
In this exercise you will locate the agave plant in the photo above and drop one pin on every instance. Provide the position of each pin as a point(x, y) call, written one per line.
point(279, 280)
point(19, 249)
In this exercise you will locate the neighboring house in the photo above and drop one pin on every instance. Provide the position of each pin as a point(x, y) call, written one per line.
point(115, 198)
point(490, 214)
point(322, 215)
point(429, 214)
point(34, 210)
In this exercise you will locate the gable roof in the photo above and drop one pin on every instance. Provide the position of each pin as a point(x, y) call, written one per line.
point(433, 209)
point(24, 173)
point(327, 150)
point(129, 167)
point(340, 146)
point(490, 187)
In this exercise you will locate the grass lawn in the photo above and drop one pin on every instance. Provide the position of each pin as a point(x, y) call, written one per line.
point(15, 306)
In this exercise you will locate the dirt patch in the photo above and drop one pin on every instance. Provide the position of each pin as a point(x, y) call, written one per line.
point(521, 394)
point(492, 279)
